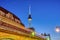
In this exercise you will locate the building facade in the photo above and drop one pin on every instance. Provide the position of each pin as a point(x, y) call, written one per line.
point(11, 28)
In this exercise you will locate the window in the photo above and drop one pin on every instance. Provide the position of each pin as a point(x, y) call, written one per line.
point(2, 13)
point(17, 20)
point(9, 15)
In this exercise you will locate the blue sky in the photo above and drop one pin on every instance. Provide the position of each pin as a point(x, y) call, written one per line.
point(45, 14)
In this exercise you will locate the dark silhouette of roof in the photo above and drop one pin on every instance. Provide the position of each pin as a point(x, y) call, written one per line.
point(32, 28)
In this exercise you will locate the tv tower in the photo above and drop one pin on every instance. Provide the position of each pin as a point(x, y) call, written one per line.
point(29, 16)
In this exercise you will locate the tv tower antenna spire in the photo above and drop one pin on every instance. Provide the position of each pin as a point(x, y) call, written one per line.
point(29, 9)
